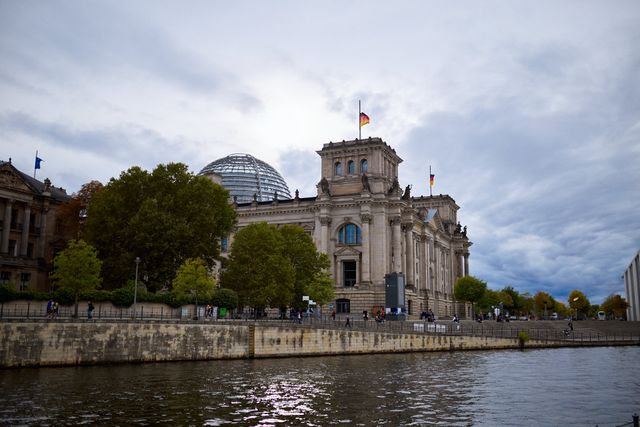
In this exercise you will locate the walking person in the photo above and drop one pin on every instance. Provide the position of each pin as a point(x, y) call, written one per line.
point(90, 309)
point(49, 309)
point(348, 323)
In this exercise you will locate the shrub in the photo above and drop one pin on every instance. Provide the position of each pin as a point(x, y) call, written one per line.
point(7, 293)
point(64, 296)
point(226, 298)
point(97, 296)
point(122, 297)
point(522, 338)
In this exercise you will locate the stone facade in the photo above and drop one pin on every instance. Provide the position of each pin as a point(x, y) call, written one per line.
point(369, 227)
point(29, 237)
point(632, 288)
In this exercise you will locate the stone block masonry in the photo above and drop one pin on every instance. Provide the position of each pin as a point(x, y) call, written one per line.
point(79, 343)
point(56, 343)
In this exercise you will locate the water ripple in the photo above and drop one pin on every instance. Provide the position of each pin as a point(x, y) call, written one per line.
point(569, 387)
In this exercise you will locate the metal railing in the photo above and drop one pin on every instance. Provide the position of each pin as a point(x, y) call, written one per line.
point(37, 311)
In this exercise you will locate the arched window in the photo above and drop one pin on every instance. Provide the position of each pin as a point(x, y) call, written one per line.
point(338, 168)
point(349, 234)
point(351, 167)
point(364, 166)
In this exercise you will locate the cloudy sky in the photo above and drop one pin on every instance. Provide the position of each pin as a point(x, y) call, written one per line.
point(527, 112)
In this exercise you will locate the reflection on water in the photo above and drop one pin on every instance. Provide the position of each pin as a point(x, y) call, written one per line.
point(581, 387)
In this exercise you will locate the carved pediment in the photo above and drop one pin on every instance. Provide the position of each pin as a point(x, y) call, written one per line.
point(346, 251)
point(11, 180)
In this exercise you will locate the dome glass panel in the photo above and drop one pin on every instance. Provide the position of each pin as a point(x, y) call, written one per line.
point(243, 176)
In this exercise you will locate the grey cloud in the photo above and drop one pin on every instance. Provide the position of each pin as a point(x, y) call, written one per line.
point(127, 143)
point(301, 170)
point(57, 38)
point(553, 201)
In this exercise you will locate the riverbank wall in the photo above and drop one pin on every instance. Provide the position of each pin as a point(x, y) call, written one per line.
point(64, 343)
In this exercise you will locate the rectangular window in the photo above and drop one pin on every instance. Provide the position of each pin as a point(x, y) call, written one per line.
point(12, 248)
point(343, 306)
point(5, 277)
point(30, 250)
point(25, 278)
point(349, 272)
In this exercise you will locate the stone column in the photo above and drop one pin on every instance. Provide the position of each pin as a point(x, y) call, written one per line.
point(396, 240)
point(366, 260)
point(324, 234)
point(6, 226)
point(466, 264)
point(410, 255)
point(25, 230)
point(42, 238)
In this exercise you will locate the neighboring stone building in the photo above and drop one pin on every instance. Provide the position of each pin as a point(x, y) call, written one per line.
point(369, 227)
point(632, 288)
point(29, 235)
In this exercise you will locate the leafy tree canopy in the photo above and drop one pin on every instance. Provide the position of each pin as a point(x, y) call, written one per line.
point(470, 289)
point(71, 215)
point(515, 303)
point(543, 301)
point(77, 269)
point(164, 217)
point(257, 268)
point(578, 301)
point(614, 305)
point(192, 276)
point(274, 267)
point(308, 265)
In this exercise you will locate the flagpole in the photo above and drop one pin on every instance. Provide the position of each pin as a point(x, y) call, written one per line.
point(359, 126)
point(34, 165)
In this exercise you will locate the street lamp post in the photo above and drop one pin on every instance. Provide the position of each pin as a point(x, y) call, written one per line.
point(135, 288)
point(574, 300)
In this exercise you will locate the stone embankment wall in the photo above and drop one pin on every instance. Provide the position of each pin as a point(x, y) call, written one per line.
point(41, 343)
point(78, 343)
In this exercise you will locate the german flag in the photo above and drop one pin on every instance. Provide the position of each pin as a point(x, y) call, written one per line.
point(364, 119)
point(432, 179)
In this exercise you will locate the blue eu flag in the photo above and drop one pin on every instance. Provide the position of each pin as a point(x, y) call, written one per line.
point(38, 160)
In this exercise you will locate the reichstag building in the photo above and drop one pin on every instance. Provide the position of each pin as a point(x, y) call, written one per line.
point(362, 218)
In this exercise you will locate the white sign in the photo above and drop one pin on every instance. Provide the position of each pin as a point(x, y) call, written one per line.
point(305, 297)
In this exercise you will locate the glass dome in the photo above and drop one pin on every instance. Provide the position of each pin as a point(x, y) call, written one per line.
point(243, 176)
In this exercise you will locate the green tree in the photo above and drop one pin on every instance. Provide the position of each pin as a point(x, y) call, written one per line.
point(544, 303)
point(515, 303)
point(469, 289)
point(77, 269)
point(309, 266)
point(615, 306)
point(192, 276)
point(257, 268)
point(226, 298)
point(73, 213)
point(579, 303)
point(526, 303)
point(165, 217)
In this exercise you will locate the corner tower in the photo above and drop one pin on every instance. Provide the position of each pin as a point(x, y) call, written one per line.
point(351, 167)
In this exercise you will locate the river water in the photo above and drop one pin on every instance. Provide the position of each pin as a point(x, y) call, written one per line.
point(551, 387)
